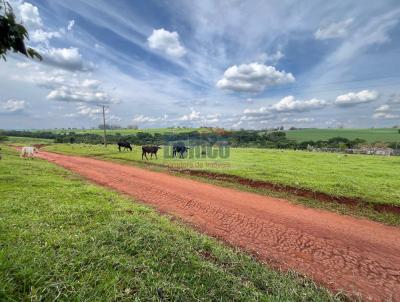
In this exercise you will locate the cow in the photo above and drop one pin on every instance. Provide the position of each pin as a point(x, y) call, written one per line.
point(181, 149)
point(28, 152)
point(124, 145)
point(150, 149)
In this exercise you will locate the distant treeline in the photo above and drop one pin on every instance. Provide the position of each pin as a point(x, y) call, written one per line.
point(240, 138)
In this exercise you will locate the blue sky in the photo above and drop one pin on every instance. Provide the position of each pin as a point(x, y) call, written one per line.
point(229, 63)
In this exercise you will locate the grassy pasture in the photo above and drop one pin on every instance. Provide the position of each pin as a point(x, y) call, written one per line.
point(375, 179)
point(27, 140)
point(370, 135)
point(63, 238)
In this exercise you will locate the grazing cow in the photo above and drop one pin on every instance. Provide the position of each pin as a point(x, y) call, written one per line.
point(150, 149)
point(124, 145)
point(28, 152)
point(181, 149)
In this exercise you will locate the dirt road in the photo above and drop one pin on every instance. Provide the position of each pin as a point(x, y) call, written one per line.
point(340, 252)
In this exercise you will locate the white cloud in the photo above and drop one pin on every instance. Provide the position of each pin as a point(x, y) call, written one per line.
point(70, 25)
point(80, 94)
point(192, 116)
point(12, 106)
point(290, 104)
point(166, 41)
point(212, 119)
point(253, 77)
point(148, 119)
point(304, 120)
point(385, 112)
point(273, 58)
point(90, 83)
point(286, 106)
point(29, 15)
point(41, 36)
point(94, 113)
point(333, 30)
point(67, 58)
point(354, 98)
point(383, 108)
point(386, 116)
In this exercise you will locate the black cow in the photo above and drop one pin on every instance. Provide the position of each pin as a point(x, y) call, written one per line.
point(181, 149)
point(124, 145)
point(150, 149)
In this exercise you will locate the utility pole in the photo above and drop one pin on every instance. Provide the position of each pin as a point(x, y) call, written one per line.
point(104, 125)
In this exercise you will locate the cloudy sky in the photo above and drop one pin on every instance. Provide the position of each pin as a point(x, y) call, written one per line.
point(230, 63)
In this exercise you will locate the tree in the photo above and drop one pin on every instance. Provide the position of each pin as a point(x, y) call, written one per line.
point(13, 34)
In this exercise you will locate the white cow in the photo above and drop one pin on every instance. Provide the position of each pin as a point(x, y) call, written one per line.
point(28, 152)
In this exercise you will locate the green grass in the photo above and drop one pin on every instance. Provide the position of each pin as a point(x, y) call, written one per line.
point(61, 237)
point(375, 179)
point(370, 135)
point(27, 140)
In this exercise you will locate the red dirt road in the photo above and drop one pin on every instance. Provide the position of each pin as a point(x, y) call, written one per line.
point(340, 252)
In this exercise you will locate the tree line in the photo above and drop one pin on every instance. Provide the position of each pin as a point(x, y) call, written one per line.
point(240, 138)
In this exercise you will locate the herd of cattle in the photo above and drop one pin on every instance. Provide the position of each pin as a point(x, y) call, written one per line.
point(177, 150)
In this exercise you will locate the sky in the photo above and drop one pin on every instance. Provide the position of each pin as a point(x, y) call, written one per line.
point(218, 63)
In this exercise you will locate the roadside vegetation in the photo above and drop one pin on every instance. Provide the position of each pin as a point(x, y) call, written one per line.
point(63, 238)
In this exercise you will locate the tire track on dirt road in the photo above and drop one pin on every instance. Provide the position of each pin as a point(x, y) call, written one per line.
point(340, 252)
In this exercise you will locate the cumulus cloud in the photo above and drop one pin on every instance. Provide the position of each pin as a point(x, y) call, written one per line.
point(192, 116)
point(285, 107)
point(41, 36)
point(12, 106)
point(253, 77)
point(67, 58)
point(80, 94)
point(333, 30)
point(290, 104)
point(29, 15)
point(167, 42)
point(354, 98)
point(385, 112)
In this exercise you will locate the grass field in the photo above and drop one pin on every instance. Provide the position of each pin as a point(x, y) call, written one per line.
point(63, 238)
point(27, 140)
point(375, 179)
point(370, 135)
